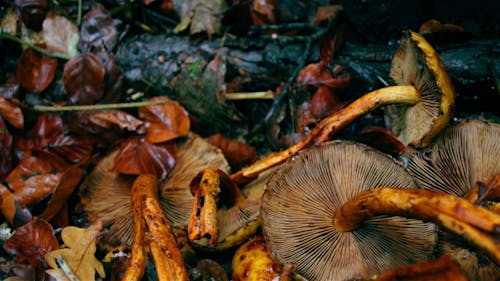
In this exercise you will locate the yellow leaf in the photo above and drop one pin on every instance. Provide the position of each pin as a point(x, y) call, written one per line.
point(79, 254)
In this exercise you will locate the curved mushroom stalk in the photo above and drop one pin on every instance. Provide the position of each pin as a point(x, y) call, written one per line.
point(219, 211)
point(451, 212)
point(421, 104)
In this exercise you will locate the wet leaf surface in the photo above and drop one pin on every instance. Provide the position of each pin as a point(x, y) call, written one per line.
point(35, 71)
point(98, 28)
point(139, 156)
point(11, 113)
point(166, 121)
point(32, 242)
point(83, 78)
point(5, 150)
point(237, 153)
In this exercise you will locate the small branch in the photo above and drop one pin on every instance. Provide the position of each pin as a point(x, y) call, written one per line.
point(36, 48)
point(249, 95)
point(46, 108)
point(64, 266)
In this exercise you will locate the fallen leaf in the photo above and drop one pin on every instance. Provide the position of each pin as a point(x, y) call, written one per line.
point(11, 113)
point(83, 78)
point(139, 156)
point(47, 128)
point(24, 272)
point(60, 34)
point(262, 12)
point(65, 187)
point(113, 77)
point(7, 203)
point(79, 253)
point(237, 153)
point(382, 139)
point(201, 15)
point(32, 242)
point(316, 74)
point(325, 13)
point(324, 102)
point(98, 28)
point(32, 12)
point(35, 71)
point(73, 149)
point(5, 150)
point(166, 121)
point(34, 178)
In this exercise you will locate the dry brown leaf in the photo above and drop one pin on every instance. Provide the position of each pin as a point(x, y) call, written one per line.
point(60, 34)
point(202, 15)
point(11, 113)
point(79, 254)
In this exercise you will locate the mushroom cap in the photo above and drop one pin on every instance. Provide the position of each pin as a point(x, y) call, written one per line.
point(462, 155)
point(299, 207)
point(106, 196)
point(417, 63)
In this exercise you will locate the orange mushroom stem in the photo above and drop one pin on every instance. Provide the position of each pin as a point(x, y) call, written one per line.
point(138, 255)
point(454, 213)
point(203, 217)
point(331, 124)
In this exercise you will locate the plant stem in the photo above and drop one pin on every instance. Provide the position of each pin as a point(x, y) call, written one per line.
point(45, 108)
point(36, 48)
point(249, 95)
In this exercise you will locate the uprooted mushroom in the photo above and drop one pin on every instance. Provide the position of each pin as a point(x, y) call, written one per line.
point(299, 206)
point(421, 104)
point(106, 195)
point(463, 161)
point(425, 96)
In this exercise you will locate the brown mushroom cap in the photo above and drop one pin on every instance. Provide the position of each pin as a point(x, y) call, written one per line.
point(417, 63)
point(299, 207)
point(106, 195)
point(464, 154)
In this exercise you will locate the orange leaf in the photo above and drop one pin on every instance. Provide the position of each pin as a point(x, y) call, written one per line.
point(139, 156)
point(237, 153)
point(324, 102)
point(31, 242)
point(33, 179)
point(166, 121)
point(35, 71)
point(7, 203)
point(316, 74)
point(12, 113)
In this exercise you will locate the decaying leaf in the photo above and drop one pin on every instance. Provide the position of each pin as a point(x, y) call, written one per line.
point(5, 150)
point(67, 183)
point(98, 27)
point(32, 12)
point(263, 12)
point(35, 71)
point(79, 253)
point(7, 203)
point(317, 74)
point(324, 102)
point(60, 34)
point(201, 15)
point(83, 78)
point(237, 153)
point(31, 242)
point(11, 113)
point(165, 121)
point(139, 156)
point(35, 178)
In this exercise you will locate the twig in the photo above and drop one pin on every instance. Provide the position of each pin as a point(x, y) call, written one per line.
point(36, 48)
point(64, 266)
point(45, 108)
point(249, 95)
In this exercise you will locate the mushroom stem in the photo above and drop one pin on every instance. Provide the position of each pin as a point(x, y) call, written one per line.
point(394, 94)
point(138, 255)
point(454, 213)
point(163, 237)
point(203, 219)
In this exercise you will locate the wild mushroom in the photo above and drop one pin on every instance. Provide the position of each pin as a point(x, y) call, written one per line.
point(422, 103)
point(106, 195)
point(464, 162)
point(299, 206)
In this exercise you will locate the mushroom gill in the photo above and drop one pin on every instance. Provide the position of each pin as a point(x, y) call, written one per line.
point(106, 195)
point(299, 207)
